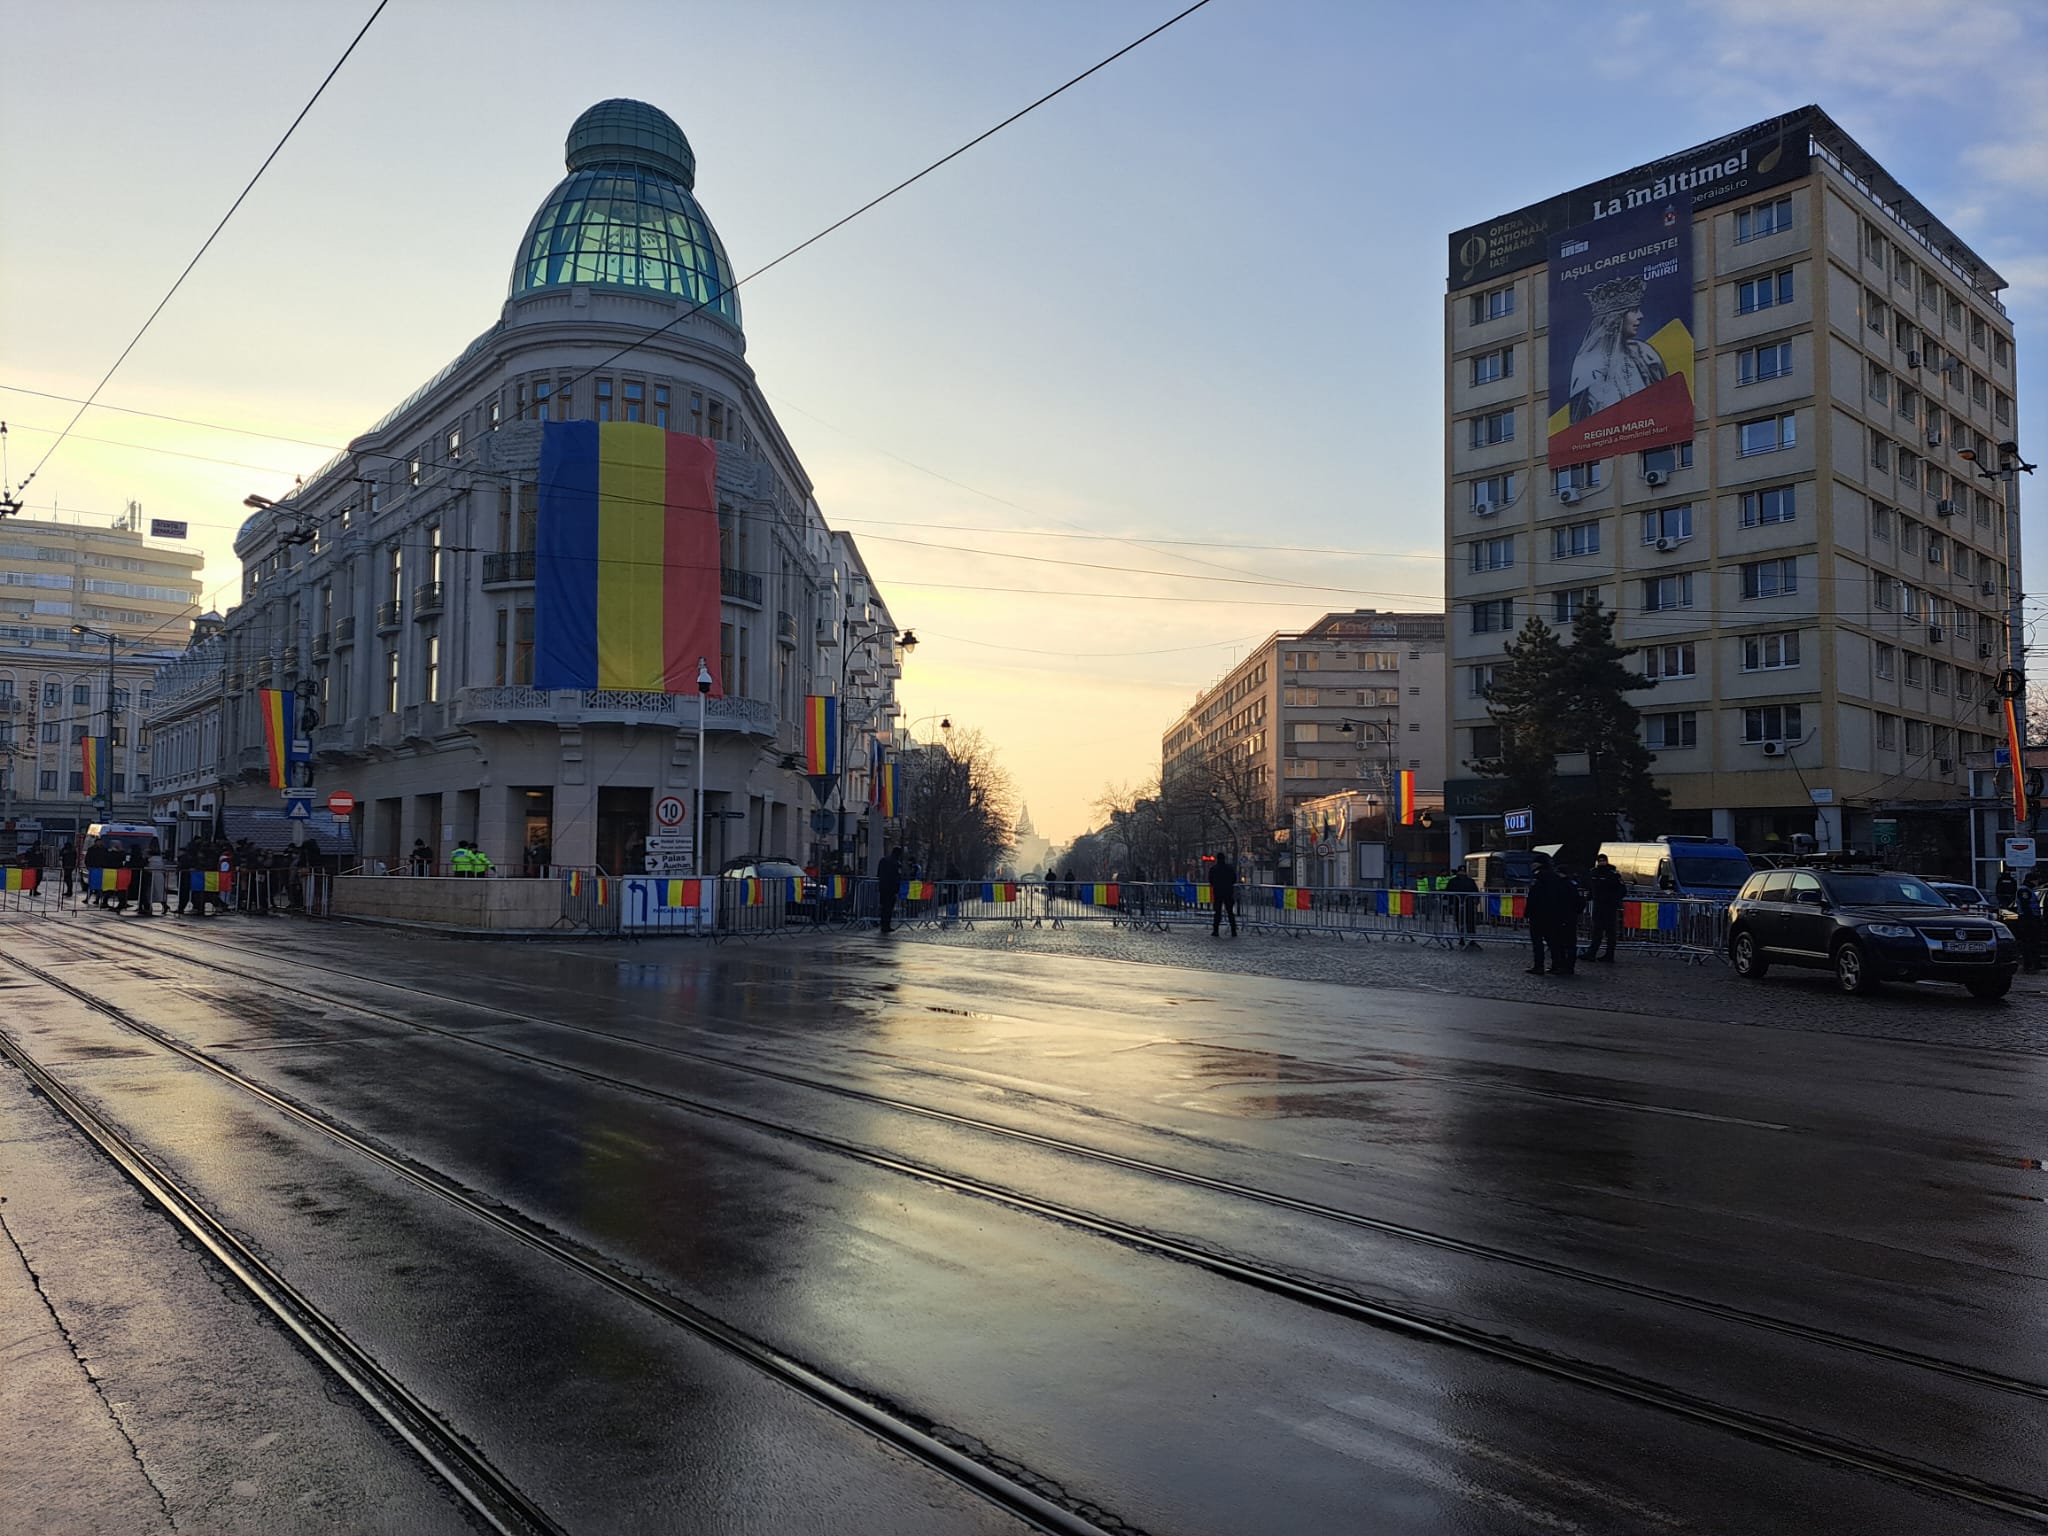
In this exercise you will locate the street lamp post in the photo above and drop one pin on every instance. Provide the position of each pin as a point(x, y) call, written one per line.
point(703, 698)
point(2010, 466)
point(105, 796)
point(924, 768)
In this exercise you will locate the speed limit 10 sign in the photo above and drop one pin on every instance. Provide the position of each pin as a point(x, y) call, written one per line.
point(668, 810)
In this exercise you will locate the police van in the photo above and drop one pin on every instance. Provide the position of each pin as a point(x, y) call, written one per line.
point(1708, 867)
point(1501, 869)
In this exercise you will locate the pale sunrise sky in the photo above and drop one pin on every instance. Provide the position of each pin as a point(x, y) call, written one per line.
point(1183, 323)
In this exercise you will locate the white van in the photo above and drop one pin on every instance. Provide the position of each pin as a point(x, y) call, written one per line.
point(125, 835)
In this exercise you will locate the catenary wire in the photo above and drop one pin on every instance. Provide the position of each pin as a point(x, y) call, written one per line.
point(207, 244)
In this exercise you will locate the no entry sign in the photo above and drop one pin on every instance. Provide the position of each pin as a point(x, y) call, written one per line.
point(668, 810)
point(341, 804)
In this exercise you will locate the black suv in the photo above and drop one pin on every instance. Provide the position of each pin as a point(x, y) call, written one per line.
point(1868, 927)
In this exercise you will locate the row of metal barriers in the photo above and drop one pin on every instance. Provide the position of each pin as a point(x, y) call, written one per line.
point(45, 893)
point(727, 908)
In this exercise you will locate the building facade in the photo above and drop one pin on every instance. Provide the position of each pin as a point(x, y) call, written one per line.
point(52, 693)
point(1821, 579)
point(1271, 734)
point(394, 592)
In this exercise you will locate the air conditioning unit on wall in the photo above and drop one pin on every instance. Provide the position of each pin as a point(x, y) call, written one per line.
point(1774, 749)
point(1656, 477)
point(1569, 494)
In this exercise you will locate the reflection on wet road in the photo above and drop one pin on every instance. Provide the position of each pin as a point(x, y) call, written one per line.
point(1172, 1251)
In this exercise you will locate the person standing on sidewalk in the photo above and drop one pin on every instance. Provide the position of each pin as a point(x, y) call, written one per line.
point(2026, 902)
point(67, 860)
point(888, 879)
point(1608, 892)
point(1462, 892)
point(1222, 895)
point(1553, 915)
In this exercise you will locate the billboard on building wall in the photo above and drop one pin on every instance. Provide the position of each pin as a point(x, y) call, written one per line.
point(1621, 333)
point(1743, 163)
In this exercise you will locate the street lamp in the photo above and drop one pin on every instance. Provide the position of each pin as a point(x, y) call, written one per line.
point(703, 699)
point(1385, 733)
point(105, 797)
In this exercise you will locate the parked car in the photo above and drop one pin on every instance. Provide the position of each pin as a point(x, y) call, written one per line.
point(813, 890)
point(1963, 897)
point(1868, 927)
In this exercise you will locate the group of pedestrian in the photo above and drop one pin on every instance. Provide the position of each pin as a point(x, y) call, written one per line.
point(2027, 900)
point(1555, 903)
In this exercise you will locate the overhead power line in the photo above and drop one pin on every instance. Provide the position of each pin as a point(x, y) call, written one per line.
point(208, 242)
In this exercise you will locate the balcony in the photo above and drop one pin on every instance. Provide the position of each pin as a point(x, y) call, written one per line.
point(505, 705)
point(321, 646)
point(428, 601)
point(740, 586)
point(785, 629)
point(509, 570)
point(10, 704)
point(289, 661)
point(345, 630)
point(389, 614)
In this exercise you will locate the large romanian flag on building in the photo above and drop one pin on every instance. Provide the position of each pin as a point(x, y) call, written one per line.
point(626, 569)
point(883, 795)
point(1404, 796)
point(274, 716)
point(821, 734)
point(94, 760)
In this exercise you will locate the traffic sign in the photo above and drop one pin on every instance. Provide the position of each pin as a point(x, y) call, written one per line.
point(2019, 853)
point(670, 864)
point(1519, 823)
point(298, 804)
point(672, 842)
point(341, 804)
point(668, 810)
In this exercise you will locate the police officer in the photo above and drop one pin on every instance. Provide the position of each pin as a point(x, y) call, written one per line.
point(2027, 904)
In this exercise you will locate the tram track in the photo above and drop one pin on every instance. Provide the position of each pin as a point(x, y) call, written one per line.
point(1758, 1428)
point(1720, 1311)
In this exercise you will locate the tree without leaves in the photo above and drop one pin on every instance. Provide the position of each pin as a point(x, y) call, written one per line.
point(960, 806)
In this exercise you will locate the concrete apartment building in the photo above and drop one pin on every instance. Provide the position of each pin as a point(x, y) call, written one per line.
point(395, 591)
point(1273, 726)
point(1822, 580)
point(56, 686)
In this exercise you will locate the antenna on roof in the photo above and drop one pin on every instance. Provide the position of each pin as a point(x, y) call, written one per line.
point(9, 503)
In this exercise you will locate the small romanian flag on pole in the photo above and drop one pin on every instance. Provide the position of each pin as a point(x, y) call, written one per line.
point(1404, 796)
point(19, 879)
point(108, 879)
point(93, 760)
point(821, 734)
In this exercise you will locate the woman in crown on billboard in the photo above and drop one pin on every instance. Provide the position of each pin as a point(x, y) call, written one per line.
point(1611, 363)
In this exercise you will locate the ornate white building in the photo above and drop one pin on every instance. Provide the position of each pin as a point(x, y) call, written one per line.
point(395, 590)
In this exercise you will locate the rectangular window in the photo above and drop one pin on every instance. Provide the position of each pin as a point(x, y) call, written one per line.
point(1977, 332)
point(1580, 477)
point(453, 444)
point(1916, 738)
point(1491, 367)
point(81, 693)
point(1876, 313)
point(1916, 670)
point(1493, 616)
point(391, 682)
point(1767, 362)
point(1880, 385)
point(2001, 351)
point(661, 406)
point(1769, 218)
point(46, 781)
point(1880, 452)
point(1909, 467)
point(412, 470)
point(1884, 659)
point(1771, 722)
point(1665, 461)
point(1485, 742)
point(1767, 434)
point(53, 695)
point(1669, 524)
point(1567, 606)
point(1493, 554)
point(1887, 733)
point(1574, 540)
point(1663, 593)
point(635, 400)
point(2002, 409)
point(1935, 552)
point(1937, 677)
point(78, 783)
point(604, 399)
point(1494, 304)
point(1671, 732)
point(1777, 504)
point(1478, 681)
point(1493, 493)
point(1494, 427)
point(1770, 578)
point(493, 417)
point(504, 646)
point(1909, 404)
point(430, 671)
point(1664, 662)
point(1881, 523)
point(1764, 292)
point(716, 416)
point(1770, 653)
point(522, 647)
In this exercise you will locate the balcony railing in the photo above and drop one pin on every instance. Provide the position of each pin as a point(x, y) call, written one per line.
point(345, 630)
point(785, 628)
point(506, 569)
point(740, 586)
point(505, 704)
point(428, 601)
point(388, 614)
point(321, 646)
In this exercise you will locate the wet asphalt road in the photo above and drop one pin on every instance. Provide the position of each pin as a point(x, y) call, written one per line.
point(1272, 1255)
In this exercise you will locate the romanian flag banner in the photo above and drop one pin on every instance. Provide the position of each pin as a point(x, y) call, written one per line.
point(626, 562)
point(575, 879)
point(108, 879)
point(274, 715)
point(821, 734)
point(1100, 895)
point(841, 887)
point(1292, 898)
point(676, 894)
point(1395, 903)
point(885, 788)
point(93, 762)
point(206, 882)
point(1649, 916)
point(917, 890)
point(1193, 894)
point(999, 890)
point(1498, 905)
point(604, 891)
point(19, 879)
point(2019, 765)
point(1404, 795)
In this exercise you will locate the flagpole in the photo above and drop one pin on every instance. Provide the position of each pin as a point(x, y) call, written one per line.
point(703, 694)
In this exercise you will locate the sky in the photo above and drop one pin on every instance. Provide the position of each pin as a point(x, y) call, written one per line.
point(1175, 337)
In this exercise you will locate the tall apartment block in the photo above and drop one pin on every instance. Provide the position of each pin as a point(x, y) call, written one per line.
point(1747, 396)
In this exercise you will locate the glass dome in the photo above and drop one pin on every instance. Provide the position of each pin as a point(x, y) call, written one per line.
point(624, 217)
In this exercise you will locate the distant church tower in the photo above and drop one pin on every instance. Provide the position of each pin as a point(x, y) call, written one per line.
point(1028, 851)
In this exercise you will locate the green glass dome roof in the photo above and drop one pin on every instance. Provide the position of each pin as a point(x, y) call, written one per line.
point(625, 216)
